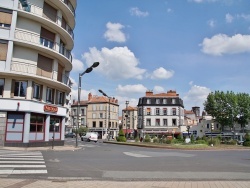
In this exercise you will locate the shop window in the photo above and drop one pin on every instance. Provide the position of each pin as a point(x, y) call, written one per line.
point(36, 123)
point(1, 86)
point(54, 123)
point(20, 88)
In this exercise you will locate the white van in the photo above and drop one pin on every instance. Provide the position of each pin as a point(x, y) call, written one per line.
point(90, 136)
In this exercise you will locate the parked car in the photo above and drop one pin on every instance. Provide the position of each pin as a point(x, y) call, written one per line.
point(90, 136)
point(70, 135)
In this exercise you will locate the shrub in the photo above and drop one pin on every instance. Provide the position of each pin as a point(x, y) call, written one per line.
point(247, 137)
point(121, 137)
point(246, 143)
point(147, 138)
point(156, 140)
point(179, 137)
point(192, 138)
point(168, 141)
point(231, 142)
point(198, 138)
point(176, 141)
point(215, 142)
point(137, 139)
point(200, 142)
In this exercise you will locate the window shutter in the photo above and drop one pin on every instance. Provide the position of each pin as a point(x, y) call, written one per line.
point(3, 50)
point(44, 66)
point(49, 12)
point(5, 18)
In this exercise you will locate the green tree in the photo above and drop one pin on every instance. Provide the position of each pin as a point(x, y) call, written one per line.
point(228, 108)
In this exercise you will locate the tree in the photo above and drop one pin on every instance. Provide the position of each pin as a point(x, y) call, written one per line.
point(228, 108)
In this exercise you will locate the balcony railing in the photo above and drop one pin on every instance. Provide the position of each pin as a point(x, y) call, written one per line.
point(36, 39)
point(31, 8)
point(67, 2)
point(28, 68)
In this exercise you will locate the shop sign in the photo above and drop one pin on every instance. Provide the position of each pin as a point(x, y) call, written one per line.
point(49, 108)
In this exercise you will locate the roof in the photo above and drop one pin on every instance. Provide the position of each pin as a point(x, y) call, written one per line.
point(130, 108)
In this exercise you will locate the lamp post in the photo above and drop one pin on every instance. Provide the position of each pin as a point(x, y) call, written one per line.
point(54, 130)
point(104, 94)
point(127, 102)
point(212, 128)
point(88, 70)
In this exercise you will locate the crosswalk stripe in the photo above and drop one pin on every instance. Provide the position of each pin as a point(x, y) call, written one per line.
point(9, 172)
point(21, 162)
point(16, 162)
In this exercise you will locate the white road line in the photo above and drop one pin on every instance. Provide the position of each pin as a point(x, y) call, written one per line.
point(22, 154)
point(28, 162)
point(135, 155)
point(28, 159)
point(9, 172)
point(22, 166)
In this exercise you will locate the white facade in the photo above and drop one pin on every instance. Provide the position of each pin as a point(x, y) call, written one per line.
point(36, 38)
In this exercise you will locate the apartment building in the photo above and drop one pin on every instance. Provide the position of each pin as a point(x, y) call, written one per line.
point(36, 39)
point(160, 114)
point(129, 121)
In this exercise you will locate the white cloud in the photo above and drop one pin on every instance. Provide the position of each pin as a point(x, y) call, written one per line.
point(244, 16)
point(74, 84)
point(223, 44)
point(169, 10)
point(158, 89)
point(114, 32)
point(130, 89)
point(162, 73)
point(229, 18)
point(117, 63)
point(202, 1)
point(136, 11)
point(211, 23)
point(196, 96)
point(84, 94)
point(77, 65)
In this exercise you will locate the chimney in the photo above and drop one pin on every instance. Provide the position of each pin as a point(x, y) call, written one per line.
point(89, 96)
point(149, 93)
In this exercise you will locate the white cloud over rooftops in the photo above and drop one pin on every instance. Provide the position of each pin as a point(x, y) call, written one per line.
point(114, 32)
point(134, 11)
point(117, 63)
point(222, 44)
point(162, 73)
point(130, 89)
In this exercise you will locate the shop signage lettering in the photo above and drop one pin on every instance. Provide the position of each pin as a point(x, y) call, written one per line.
point(48, 108)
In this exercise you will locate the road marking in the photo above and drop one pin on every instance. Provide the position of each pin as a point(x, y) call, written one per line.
point(28, 159)
point(9, 172)
point(135, 155)
point(22, 166)
point(26, 162)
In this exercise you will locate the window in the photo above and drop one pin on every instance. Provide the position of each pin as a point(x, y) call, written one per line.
point(157, 112)
point(101, 115)
point(165, 111)
point(164, 101)
point(37, 91)
point(148, 111)
point(5, 18)
point(94, 107)
point(148, 122)
point(165, 122)
point(49, 95)
point(54, 123)
point(60, 97)
point(173, 101)
point(100, 124)
point(82, 121)
point(20, 88)
point(94, 124)
point(173, 111)
point(157, 101)
point(93, 115)
point(3, 49)
point(74, 112)
point(36, 123)
point(174, 123)
point(157, 122)
point(82, 111)
point(148, 101)
point(1, 86)
point(208, 126)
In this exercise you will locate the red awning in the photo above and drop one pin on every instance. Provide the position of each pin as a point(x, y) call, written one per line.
point(128, 131)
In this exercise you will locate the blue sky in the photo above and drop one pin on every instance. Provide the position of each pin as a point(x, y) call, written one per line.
point(191, 46)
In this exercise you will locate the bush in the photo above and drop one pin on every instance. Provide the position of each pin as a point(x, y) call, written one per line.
point(147, 138)
point(247, 137)
point(246, 143)
point(121, 137)
point(231, 142)
point(137, 139)
point(176, 141)
point(156, 140)
point(168, 141)
point(200, 142)
point(179, 137)
point(198, 138)
point(215, 142)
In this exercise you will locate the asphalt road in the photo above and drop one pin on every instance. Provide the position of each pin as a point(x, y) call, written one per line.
point(102, 161)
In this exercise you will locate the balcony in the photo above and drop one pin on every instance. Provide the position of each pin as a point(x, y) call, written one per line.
point(28, 39)
point(30, 69)
point(37, 11)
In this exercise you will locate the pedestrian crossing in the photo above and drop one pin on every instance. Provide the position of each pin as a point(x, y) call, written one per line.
point(22, 162)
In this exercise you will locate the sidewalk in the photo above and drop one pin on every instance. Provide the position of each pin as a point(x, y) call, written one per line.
point(32, 183)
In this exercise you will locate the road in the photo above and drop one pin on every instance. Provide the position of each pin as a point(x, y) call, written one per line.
point(102, 161)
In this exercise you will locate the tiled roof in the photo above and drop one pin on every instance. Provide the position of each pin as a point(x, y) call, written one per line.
point(81, 103)
point(130, 108)
point(188, 112)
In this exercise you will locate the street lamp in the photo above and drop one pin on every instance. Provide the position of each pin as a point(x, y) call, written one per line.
point(104, 94)
point(127, 102)
point(88, 70)
point(212, 128)
point(54, 129)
